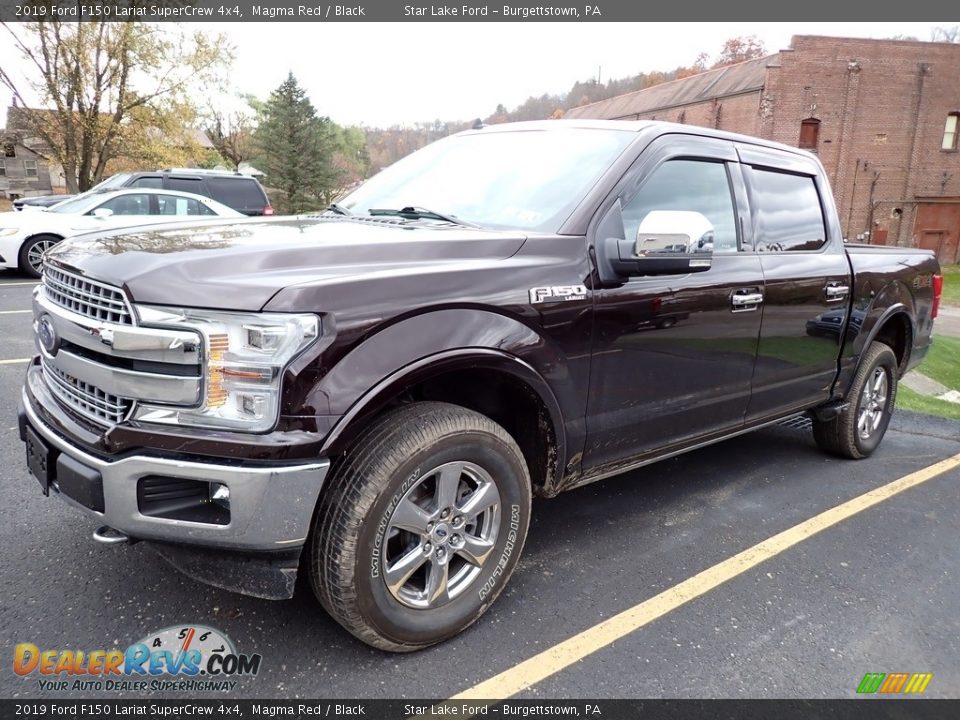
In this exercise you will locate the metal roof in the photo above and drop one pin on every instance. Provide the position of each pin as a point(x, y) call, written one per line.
point(736, 79)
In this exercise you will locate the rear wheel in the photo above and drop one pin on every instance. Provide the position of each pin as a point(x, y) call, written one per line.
point(31, 253)
point(857, 431)
point(421, 525)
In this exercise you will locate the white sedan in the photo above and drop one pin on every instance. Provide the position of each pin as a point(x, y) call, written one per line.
point(25, 236)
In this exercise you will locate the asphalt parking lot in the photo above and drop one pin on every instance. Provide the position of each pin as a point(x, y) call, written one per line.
point(877, 592)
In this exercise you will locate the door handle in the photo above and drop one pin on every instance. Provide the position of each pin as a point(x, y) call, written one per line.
point(745, 300)
point(836, 293)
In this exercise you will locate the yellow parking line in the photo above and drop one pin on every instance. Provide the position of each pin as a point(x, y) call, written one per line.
point(581, 645)
point(15, 312)
point(14, 361)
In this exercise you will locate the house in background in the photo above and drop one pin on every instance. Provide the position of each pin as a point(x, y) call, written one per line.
point(883, 116)
point(27, 170)
point(24, 172)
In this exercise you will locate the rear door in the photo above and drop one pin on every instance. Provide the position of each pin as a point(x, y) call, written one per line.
point(673, 355)
point(806, 278)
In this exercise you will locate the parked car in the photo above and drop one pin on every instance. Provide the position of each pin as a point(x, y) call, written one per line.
point(240, 192)
point(26, 236)
point(39, 202)
point(375, 393)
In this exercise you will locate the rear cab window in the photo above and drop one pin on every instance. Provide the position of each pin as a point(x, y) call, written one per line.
point(787, 209)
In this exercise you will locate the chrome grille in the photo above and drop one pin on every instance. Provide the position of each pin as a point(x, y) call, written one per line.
point(85, 297)
point(86, 399)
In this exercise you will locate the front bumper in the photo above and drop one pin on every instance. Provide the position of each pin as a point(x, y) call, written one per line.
point(10, 251)
point(271, 506)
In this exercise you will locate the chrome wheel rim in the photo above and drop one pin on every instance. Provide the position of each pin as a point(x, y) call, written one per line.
point(873, 403)
point(35, 254)
point(440, 535)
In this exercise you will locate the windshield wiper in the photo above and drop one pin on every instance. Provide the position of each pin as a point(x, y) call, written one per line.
point(338, 209)
point(420, 213)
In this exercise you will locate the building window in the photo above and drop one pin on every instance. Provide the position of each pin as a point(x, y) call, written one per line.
point(30, 168)
point(9, 150)
point(3, 168)
point(950, 132)
point(810, 134)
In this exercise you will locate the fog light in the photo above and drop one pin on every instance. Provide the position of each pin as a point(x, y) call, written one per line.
point(220, 495)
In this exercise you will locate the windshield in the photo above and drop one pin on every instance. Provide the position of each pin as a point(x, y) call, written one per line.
point(528, 179)
point(113, 182)
point(77, 205)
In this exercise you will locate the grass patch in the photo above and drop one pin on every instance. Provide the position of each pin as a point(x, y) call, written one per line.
point(943, 365)
point(908, 399)
point(943, 362)
point(951, 285)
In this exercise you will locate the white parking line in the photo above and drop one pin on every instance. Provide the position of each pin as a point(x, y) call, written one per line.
point(14, 361)
point(15, 312)
point(17, 284)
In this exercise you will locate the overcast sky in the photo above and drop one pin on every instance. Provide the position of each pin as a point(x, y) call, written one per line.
point(379, 74)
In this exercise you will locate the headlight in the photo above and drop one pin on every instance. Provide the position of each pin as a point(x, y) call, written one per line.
point(7, 232)
point(244, 358)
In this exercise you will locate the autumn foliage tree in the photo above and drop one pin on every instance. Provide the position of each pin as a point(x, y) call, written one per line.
point(109, 90)
point(739, 49)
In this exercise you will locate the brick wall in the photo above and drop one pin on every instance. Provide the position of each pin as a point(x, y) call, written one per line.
point(737, 113)
point(882, 105)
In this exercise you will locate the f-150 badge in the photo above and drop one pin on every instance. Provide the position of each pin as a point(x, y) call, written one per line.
point(560, 293)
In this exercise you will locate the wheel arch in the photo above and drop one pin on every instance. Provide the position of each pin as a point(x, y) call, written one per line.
point(446, 376)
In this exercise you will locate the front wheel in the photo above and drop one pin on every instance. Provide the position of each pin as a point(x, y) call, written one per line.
point(421, 526)
point(31, 253)
point(857, 431)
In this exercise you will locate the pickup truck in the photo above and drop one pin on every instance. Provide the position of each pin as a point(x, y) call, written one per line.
point(372, 395)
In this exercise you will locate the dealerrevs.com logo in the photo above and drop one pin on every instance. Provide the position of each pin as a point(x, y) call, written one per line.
point(189, 658)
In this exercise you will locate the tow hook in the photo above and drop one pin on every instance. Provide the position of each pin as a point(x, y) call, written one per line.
point(109, 536)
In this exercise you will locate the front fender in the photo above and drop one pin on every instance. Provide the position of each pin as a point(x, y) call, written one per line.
point(409, 351)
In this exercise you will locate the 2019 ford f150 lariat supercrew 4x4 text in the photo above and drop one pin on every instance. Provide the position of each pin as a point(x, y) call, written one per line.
point(372, 395)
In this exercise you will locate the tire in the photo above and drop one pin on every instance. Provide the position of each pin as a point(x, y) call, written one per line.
point(365, 523)
point(28, 259)
point(857, 431)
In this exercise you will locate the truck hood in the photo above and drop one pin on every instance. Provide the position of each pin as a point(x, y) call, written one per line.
point(240, 265)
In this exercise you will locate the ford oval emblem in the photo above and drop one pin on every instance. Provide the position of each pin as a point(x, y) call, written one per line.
point(47, 334)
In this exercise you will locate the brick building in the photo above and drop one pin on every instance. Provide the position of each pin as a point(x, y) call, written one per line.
point(883, 115)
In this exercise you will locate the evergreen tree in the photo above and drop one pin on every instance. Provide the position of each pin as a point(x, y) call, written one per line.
point(295, 150)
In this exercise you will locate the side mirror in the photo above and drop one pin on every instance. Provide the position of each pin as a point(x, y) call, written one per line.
point(102, 213)
point(668, 242)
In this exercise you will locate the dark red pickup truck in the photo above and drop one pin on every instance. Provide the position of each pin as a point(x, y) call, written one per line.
point(373, 395)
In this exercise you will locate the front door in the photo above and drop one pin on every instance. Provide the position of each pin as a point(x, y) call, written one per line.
point(673, 354)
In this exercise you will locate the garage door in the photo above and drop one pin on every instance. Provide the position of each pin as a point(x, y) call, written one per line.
point(937, 228)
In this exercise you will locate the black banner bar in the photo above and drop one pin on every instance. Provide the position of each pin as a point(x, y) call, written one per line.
point(450, 11)
point(854, 709)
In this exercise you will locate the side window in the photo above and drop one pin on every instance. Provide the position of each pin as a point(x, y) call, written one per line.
point(238, 193)
point(173, 205)
point(185, 185)
point(697, 186)
point(126, 205)
point(787, 209)
point(148, 182)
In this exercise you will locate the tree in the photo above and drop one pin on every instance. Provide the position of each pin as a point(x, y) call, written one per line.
point(738, 49)
point(295, 149)
point(231, 133)
point(946, 34)
point(111, 89)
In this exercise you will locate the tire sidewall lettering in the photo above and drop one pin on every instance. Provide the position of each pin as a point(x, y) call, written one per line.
point(376, 553)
